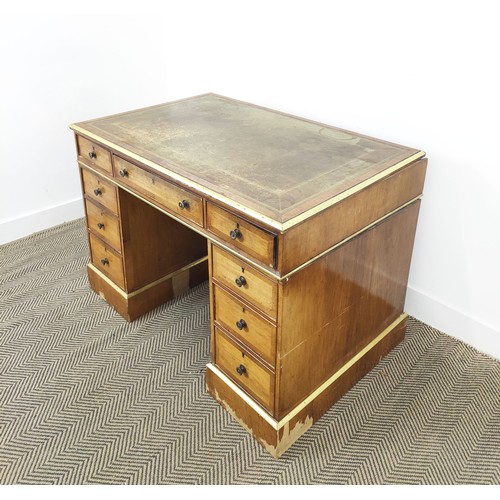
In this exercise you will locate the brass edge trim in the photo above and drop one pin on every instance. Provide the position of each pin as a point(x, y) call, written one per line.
point(345, 240)
point(345, 194)
point(183, 180)
point(107, 280)
point(278, 425)
point(257, 266)
point(242, 208)
point(195, 227)
point(204, 233)
point(341, 371)
point(168, 276)
point(201, 230)
point(130, 295)
point(273, 423)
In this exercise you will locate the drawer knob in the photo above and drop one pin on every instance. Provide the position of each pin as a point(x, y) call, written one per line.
point(235, 233)
point(183, 204)
point(105, 262)
point(92, 155)
point(241, 369)
point(240, 324)
point(98, 192)
point(241, 281)
point(100, 225)
point(124, 172)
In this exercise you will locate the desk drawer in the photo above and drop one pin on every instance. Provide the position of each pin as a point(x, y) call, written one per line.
point(107, 260)
point(246, 324)
point(104, 224)
point(99, 190)
point(94, 155)
point(254, 287)
point(249, 238)
point(244, 370)
point(163, 192)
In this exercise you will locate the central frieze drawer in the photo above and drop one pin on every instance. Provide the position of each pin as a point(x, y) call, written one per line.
point(245, 281)
point(249, 238)
point(164, 193)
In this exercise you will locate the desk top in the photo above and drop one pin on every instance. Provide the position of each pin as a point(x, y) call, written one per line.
point(277, 167)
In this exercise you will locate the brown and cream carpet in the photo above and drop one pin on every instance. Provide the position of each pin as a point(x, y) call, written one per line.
point(86, 398)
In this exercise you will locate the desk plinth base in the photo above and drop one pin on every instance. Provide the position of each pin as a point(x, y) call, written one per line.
point(135, 304)
point(278, 436)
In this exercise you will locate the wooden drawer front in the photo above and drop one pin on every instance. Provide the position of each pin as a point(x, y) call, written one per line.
point(94, 155)
point(255, 379)
point(253, 240)
point(107, 261)
point(99, 190)
point(252, 329)
point(257, 288)
point(163, 192)
point(104, 224)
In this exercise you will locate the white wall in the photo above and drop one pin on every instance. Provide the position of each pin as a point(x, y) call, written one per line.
point(423, 74)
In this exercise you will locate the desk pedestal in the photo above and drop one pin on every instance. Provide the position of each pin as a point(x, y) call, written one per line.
point(335, 319)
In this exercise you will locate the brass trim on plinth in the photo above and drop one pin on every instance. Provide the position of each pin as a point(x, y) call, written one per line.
point(279, 424)
point(345, 240)
point(130, 295)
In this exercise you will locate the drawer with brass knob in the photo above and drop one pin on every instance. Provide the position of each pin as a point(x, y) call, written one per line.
point(107, 260)
point(158, 190)
point(93, 154)
point(100, 191)
point(246, 324)
point(245, 370)
point(245, 281)
point(255, 241)
point(103, 224)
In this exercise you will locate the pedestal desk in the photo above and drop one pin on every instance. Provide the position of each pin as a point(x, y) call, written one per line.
point(310, 232)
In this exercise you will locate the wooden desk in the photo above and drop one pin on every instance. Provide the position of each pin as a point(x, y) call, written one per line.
point(310, 233)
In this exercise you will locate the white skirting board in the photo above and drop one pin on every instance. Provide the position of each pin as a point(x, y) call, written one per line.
point(419, 304)
point(447, 319)
point(13, 229)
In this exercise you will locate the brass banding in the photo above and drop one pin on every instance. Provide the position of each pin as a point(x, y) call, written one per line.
point(280, 226)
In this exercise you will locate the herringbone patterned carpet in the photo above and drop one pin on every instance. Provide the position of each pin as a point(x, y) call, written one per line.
point(87, 398)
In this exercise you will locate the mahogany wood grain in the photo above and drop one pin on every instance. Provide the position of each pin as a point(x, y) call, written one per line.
point(256, 378)
point(134, 306)
point(244, 413)
point(107, 260)
point(104, 224)
point(99, 190)
point(325, 217)
point(315, 235)
point(211, 301)
point(166, 194)
point(94, 154)
point(154, 244)
point(261, 160)
point(276, 436)
point(322, 403)
point(246, 324)
point(251, 239)
point(259, 290)
point(338, 304)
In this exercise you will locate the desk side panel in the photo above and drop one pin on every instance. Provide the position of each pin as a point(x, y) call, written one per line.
point(324, 230)
point(335, 307)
